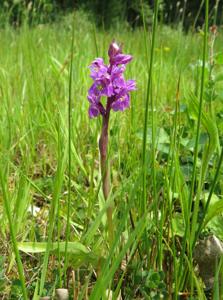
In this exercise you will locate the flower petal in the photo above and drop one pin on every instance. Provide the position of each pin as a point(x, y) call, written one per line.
point(98, 69)
point(130, 85)
point(93, 111)
point(121, 59)
point(121, 103)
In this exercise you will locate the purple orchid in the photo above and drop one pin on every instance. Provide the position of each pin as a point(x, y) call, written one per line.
point(109, 81)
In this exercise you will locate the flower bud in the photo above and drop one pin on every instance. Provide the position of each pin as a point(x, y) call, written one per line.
point(114, 49)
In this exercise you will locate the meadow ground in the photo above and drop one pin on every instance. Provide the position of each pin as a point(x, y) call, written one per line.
point(151, 253)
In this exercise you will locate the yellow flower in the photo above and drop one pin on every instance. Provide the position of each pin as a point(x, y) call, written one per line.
point(166, 49)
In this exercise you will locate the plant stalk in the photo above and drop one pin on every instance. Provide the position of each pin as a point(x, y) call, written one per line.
point(105, 170)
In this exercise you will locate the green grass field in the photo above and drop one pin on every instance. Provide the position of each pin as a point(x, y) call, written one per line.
point(158, 218)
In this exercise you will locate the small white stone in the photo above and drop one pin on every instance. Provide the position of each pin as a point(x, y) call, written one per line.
point(62, 294)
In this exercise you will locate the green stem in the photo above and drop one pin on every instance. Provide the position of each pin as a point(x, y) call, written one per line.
point(52, 219)
point(69, 157)
point(196, 207)
point(197, 16)
point(145, 129)
point(215, 12)
point(58, 214)
point(187, 227)
point(105, 171)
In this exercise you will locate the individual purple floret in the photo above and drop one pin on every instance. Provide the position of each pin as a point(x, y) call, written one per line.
point(109, 82)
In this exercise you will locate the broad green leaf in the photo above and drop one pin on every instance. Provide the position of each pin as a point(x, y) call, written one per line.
point(216, 226)
point(178, 224)
point(211, 128)
point(78, 253)
point(40, 247)
point(214, 210)
point(162, 136)
point(214, 198)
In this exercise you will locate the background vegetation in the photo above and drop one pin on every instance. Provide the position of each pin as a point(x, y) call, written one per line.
point(44, 59)
point(108, 13)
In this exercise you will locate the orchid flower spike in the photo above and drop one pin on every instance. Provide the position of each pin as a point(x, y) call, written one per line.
point(109, 81)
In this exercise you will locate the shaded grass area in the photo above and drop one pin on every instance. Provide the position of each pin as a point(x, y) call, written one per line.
point(34, 93)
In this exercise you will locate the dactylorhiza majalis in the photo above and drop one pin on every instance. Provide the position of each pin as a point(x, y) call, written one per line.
point(109, 82)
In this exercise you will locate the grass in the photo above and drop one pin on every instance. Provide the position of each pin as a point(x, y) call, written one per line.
point(50, 181)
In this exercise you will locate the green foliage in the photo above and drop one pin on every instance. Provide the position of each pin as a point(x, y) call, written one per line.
point(16, 290)
point(33, 12)
point(2, 273)
point(78, 253)
point(147, 284)
point(146, 258)
point(109, 14)
point(105, 13)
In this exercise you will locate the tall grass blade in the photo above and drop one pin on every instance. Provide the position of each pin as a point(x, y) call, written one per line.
point(199, 122)
point(145, 127)
point(53, 214)
point(69, 154)
point(188, 236)
point(13, 236)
